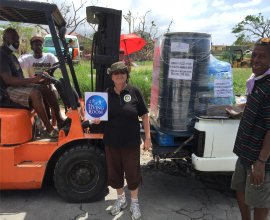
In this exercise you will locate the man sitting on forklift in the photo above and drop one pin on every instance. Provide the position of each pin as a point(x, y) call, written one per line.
point(27, 92)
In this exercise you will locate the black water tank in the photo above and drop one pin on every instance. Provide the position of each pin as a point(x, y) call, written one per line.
point(183, 83)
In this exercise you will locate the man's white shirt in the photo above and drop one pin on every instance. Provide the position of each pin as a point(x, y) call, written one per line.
point(32, 66)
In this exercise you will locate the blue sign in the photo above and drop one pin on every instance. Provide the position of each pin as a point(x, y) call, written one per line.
point(96, 106)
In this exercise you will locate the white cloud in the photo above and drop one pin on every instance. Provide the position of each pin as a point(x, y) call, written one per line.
point(218, 3)
point(247, 4)
point(265, 9)
point(216, 17)
point(194, 16)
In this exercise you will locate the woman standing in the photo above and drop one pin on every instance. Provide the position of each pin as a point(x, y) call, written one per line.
point(122, 138)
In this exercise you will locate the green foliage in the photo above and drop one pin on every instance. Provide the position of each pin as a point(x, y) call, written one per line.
point(225, 56)
point(241, 39)
point(252, 27)
point(25, 32)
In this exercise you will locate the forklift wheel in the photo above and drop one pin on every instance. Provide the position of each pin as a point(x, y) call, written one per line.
point(80, 174)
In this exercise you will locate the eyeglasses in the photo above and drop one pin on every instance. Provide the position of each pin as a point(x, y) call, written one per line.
point(119, 72)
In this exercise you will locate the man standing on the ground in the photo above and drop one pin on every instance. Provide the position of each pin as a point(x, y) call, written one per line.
point(28, 92)
point(251, 178)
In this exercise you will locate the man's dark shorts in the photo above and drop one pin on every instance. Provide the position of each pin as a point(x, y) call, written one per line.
point(257, 197)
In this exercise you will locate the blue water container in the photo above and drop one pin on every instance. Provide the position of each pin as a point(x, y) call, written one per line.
point(220, 82)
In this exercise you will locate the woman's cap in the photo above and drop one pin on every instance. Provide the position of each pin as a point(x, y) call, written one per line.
point(118, 66)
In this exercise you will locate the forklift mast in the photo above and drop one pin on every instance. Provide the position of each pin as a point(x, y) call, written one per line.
point(106, 42)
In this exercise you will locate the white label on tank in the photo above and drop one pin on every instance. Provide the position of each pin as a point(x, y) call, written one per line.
point(179, 47)
point(180, 68)
point(223, 88)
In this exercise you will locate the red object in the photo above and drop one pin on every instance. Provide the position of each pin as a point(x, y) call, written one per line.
point(131, 43)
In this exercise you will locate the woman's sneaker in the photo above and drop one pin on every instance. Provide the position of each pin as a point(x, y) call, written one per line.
point(118, 206)
point(135, 211)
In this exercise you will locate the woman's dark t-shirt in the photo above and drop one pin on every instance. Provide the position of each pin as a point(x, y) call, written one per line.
point(122, 130)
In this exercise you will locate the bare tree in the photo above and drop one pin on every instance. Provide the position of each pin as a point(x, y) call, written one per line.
point(153, 30)
point(145, 29)
point(139, 25)
point(134, 18)
point(128, 18)
point(71, 15)
point(142, 24)
point(169, 27)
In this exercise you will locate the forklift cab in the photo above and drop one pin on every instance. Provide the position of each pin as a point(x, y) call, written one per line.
point(75, 162)
point(43, 14)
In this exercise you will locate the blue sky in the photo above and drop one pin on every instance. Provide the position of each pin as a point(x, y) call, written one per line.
point(216, 17)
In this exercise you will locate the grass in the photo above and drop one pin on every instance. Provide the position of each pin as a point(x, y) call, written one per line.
point(141, 77)
point(240, 75)
point(83, 76)
point(82, 72)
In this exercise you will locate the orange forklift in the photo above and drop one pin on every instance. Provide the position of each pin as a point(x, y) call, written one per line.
point(75, 162)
